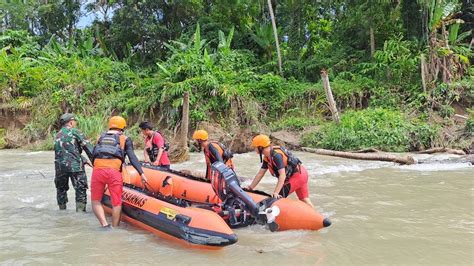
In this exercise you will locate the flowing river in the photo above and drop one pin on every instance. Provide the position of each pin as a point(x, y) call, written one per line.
point(382, 213)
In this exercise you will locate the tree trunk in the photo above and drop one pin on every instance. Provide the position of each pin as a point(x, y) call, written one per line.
point(6, 22)
point(460, 159)
point(181, 152)
point(185, 121)
point(444, 150)
point(275, 33)
point(331, 102)
point(364, 156)
point(424, 27)
point(423, 72)
point(69, 32)
point(372, 41)
point(70, 27)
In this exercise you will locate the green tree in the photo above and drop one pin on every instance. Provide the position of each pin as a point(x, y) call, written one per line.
point(143, 26)
point(368, 23)
point(18, 15)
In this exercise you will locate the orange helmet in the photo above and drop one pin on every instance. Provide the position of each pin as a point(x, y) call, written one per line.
point(117, 122)
point(200, 135)
point(261, 141)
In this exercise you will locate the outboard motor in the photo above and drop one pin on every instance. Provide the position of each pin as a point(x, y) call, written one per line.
point(226, 185)
point(236, 203)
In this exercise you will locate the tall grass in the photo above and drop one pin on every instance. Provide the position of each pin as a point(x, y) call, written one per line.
point(92, 126)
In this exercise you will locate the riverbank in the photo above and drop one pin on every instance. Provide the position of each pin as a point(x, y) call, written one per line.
point(456, 135)
point(230, 96)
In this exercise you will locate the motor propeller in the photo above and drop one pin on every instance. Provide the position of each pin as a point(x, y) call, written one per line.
point(226, 184)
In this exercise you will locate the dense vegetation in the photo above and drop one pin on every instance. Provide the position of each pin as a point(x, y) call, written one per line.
point(373, 128)
point(137, 58)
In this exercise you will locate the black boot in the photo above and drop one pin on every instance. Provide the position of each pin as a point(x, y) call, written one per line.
point(80, 207)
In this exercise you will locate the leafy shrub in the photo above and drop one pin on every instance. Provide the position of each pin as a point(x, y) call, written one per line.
point(446, 111)
point(91, 126)
point(19, 39)
point(470, 122)
point(372, 128)
point(294, 123)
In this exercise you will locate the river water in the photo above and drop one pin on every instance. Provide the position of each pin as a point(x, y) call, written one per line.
point(382, 213)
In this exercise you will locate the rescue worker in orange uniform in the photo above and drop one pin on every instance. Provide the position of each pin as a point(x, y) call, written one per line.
point(282, 164)
point(213, 151)
point(109, 156)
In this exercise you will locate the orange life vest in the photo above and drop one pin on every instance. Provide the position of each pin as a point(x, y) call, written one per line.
point(290, 169)
point(208, 155)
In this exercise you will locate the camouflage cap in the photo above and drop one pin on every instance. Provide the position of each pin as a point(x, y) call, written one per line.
point(66, 118)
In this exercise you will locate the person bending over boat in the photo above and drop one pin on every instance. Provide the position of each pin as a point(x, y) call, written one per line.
point(156, 149)
point(292, 176)
point(213, 151)
point(69, 164)
point(109, 156)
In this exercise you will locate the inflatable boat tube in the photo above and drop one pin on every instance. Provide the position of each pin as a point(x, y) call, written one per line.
point(191, 226)
point(293, 214)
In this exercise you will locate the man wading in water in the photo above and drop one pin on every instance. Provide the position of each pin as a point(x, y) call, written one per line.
point(282, 164)
point(69, 164)
point(213, 151)
point(109, 156)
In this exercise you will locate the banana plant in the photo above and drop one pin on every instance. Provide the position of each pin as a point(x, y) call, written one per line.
point(262, 35)
point(13, 65)
point(447, 54)
point(225, 43)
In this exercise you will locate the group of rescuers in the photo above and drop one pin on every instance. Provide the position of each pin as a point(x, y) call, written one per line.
point(108, 156)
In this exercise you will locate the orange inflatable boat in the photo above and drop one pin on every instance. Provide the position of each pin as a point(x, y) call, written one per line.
point(172, 218)
point(225, 197)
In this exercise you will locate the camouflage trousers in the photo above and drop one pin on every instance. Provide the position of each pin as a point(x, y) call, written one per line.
point(79, 182)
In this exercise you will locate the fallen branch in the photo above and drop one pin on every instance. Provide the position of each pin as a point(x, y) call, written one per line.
point(461, 116)
point(442, 149)
point(461, 159)
point(405, 159)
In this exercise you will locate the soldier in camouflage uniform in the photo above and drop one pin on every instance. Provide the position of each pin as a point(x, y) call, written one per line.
point(69, 163)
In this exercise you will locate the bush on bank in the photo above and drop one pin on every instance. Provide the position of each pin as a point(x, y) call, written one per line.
point(383, 129)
